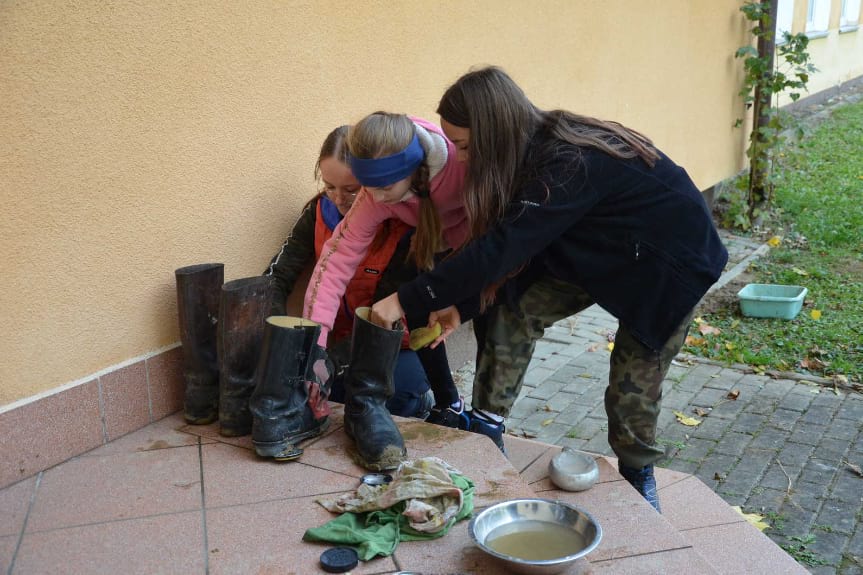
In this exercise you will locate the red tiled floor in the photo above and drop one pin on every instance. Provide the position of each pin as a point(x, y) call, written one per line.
point(661, 563)
point(228, 481)
point(104, 488)
point(171, 543)
point(14, 502)
point(267, 538)
point(163, 434)
point(7, 551)
point(741, 548)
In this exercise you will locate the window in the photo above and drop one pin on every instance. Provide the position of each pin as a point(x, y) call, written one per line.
point(818, 18)
point(784, 19)
point(850, 15)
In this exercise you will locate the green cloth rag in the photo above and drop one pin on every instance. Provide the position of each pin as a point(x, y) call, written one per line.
point(376, 533)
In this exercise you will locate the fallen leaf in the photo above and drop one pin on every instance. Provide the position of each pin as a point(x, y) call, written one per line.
point(700, 412)
point(718, 477)
point(753, 518)
point(706, 329)
point(730, 346)
point(735, 323)
point(610, 346)
point(774, 241)
point(695, 341)
point(815, 314)
point(733, 394)
point(840, 379)
point(686, 420)
point(699, 320)
point(546, 407)
point(800, 272)
point(855, 468)
point(548, 421)
point(592, 347)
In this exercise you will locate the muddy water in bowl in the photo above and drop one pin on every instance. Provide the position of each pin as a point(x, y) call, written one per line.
point(535, 540)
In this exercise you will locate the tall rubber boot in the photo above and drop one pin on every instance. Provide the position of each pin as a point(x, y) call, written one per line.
point(244, 306)
point(198, 289)
point(289, 403)
point(368, 386)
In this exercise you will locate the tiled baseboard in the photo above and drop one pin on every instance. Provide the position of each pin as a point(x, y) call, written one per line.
point(41, 433)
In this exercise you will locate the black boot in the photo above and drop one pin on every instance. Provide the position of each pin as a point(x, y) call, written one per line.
point(368, 386)
point(289, 403)
point(198, 289)
point(244, 307)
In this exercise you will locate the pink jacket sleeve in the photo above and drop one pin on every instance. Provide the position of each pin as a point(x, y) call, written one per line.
point(339, 259)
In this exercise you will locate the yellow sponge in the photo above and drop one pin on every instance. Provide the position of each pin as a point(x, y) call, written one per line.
point(422, 336)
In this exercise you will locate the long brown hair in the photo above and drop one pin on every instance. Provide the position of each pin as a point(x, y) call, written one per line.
point(502, 121)
point(383, 134)
point(335, 147)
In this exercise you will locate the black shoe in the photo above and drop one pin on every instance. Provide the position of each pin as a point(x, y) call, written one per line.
point(487, 427)
point(644, 482)
point(449, 417)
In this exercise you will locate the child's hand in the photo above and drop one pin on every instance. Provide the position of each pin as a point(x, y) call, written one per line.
point(449, 319)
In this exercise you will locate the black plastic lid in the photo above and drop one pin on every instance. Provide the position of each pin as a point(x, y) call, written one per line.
point(339, 559)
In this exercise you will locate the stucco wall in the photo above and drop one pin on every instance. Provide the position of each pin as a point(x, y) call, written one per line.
point(137, 137)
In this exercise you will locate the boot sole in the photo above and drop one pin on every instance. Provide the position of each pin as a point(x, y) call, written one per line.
point(275, 448)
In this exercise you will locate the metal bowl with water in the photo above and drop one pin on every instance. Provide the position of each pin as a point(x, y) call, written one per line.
point(535, 536)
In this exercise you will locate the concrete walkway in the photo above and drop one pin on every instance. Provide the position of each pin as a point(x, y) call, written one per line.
point(781, 449)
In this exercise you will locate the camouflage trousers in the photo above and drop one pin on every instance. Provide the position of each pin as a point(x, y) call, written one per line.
point(634, 393)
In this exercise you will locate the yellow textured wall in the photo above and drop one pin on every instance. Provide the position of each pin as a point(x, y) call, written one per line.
point(137, 137)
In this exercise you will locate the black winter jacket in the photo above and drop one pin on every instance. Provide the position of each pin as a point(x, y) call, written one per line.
point(639, 240)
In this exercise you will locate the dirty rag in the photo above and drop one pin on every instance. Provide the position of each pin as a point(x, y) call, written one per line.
point(426, 497)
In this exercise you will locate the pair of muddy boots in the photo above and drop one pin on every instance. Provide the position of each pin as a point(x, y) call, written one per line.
point(223, 331)
point(221, 327)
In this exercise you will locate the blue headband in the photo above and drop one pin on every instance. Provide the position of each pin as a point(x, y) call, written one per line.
point(381, 172)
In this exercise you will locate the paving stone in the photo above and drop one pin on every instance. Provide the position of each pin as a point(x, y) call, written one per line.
point(560, 401)
point(838, 515)
point(796, 401)
point(708, 397)
point(749, 423)
point(724, 380)
point(784, 419)
point(526, 407)
point(711, 428)
point(733, 443)
point(765, 500)
point(537, 375)
point(546, 389)
point(716, 465)
point(807, 495)
point(795, 454)
point(599, 444)
point(817, 414)
point(697, 449)
point(819, 471)
point(808, 433)
point(796, 521)
point(843, 429)
point(679, 400)
point(762, 404)
point(828, 546)
point(831, 449)
point(728, 409)
point(847, 487)
point(851, 408)
point(769, 438)
point(778, 388)
point(780, 476)
point(681, 465)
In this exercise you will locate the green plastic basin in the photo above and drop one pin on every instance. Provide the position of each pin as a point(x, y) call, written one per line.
point(771, 300)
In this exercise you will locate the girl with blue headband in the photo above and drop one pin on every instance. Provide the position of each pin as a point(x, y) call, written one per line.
point(572, 211)
point(409, 172)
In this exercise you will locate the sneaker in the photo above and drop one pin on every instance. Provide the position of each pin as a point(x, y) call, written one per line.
point(644, 482)
point(449, 417)
point(487, 427)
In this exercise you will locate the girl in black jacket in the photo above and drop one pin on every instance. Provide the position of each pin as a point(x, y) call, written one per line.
point(567, 211)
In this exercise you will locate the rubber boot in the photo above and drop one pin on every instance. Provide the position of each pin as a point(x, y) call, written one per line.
point(198, 289)
point(244, 306)
point(368, 386)
point(289, 403)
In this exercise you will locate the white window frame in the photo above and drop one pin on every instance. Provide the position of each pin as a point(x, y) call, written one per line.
point(850, 18)
point(818, 18)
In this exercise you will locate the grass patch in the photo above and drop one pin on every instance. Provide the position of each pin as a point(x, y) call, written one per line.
point(818, 216)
